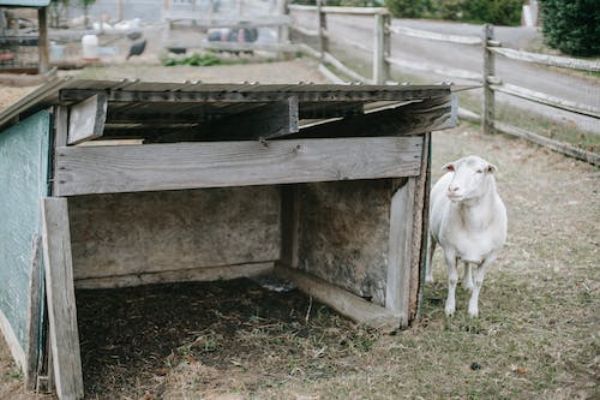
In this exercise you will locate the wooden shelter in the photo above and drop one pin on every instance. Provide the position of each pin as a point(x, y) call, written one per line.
point(9, 38)
point(111, 184)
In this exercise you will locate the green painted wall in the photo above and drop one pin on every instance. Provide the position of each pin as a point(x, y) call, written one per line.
point(24, 150)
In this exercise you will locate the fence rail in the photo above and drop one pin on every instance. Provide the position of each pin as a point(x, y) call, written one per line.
point(340, 10)
point(545, 59)
point(546, 99)
point(491, 84)
point(440, 37)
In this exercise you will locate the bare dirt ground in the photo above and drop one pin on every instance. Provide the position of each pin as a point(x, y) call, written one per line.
point(537, 336)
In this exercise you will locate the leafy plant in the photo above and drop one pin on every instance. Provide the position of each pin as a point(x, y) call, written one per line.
point(572, 27)
point(195, 60)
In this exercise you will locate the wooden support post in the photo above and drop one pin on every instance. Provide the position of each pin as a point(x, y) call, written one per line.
point(400, 256)
point(33, 316)
point(44, 58)
point(381, 49)
point(290, 225)
point(425, 239)
point(322, 29)
point(62, 312)
point(488, 114)
point(283, 32)
point(344, 302)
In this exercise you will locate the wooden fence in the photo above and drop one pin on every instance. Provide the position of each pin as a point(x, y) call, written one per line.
point(382, 61)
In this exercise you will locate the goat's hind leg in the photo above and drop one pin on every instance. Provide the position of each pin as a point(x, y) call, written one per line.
point(429, 263)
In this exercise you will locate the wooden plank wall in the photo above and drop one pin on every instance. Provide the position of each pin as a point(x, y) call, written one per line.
point(154, 232)
point(24, 149)
point(343, 234)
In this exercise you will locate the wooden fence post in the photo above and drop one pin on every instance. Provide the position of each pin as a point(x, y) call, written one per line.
point(283, 32)
point(322, 28)
point(44, 58)
point(488, 114)
point(381, 49)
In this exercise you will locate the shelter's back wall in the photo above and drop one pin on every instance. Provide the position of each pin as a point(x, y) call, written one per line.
point(135, 233)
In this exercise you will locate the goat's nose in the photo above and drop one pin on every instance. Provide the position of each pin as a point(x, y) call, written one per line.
point(453, 188)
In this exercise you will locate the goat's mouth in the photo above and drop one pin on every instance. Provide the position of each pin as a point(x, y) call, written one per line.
point(455, 197)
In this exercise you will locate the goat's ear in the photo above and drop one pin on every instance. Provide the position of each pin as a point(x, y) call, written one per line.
point(449, 167)
point(491, 168)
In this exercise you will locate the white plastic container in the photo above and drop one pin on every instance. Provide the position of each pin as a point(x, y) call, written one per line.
point(89, 43)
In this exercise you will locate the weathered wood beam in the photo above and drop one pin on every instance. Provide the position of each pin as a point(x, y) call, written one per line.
point(62, 310)
point(183, 275)
point(400, 253)
point(34, 315)
point(150, 167)
point(87, 118)
point(344, 302)
point(429, 115)
point(290, 225)
point(337, 93)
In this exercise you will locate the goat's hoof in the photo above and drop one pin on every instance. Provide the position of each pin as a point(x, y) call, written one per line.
point(469, 286)
point(449, 311)
point(473, 313)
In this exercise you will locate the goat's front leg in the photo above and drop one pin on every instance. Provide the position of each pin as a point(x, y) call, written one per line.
point(467, 281)
point(451, 262)
point(479, 274)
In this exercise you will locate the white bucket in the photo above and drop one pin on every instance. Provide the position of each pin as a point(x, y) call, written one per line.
point(89, 43)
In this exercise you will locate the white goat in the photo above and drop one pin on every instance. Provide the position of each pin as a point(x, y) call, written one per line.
point(468, 220)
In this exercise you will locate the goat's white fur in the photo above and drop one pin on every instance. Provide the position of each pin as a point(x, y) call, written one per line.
point(468, 220)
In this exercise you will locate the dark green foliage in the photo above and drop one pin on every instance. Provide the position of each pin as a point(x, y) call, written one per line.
point(572, 26)
point(499, 12)
point(195, 60)
point(408, 8)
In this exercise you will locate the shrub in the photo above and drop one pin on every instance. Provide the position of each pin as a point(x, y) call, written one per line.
point(572, 26)
point(499, 12)
point(408, 8)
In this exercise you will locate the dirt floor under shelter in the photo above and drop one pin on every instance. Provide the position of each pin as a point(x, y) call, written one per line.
point(537, 336)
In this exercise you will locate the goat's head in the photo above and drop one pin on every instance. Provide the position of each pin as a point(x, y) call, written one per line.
point(472, 176)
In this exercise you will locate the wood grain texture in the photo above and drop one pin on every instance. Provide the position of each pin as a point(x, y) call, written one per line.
point(489, 69)
point(34, 314)
point(342, 301)
point(400, 255)
point(150, 232)
point(62, 312)
point(290, 224)
point(87, 118)
point(343, 235)
point(111, 169)
point(186, 275)
point(420, 226)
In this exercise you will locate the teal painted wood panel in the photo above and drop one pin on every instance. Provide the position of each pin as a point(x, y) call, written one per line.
point(24, 152)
